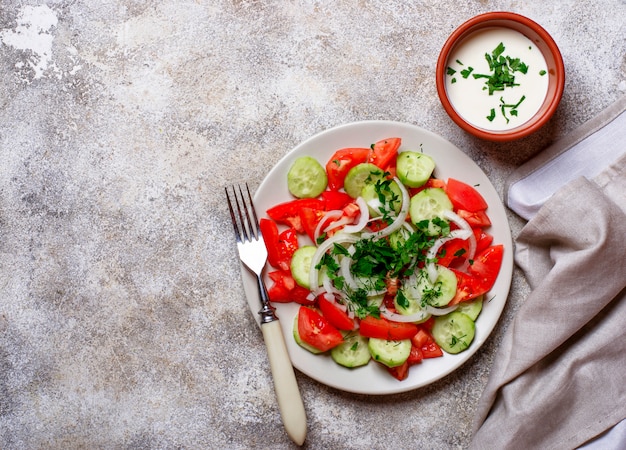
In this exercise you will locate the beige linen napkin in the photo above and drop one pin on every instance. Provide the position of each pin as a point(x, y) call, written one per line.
point(559, 376)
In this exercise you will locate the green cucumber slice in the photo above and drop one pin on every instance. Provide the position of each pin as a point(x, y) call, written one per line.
point(301, 265)
point(414, 169)
point(390, 353)
point(306, 178)
point(353, 351)
point(428, 205)
point(300, 342)
point(382, 197)
point(454, 332)
point(442, 291)
point(359, 176)
point(406, 305)
point(471, 308)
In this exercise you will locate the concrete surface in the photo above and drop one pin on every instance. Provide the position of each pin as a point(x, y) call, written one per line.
point(122, 317)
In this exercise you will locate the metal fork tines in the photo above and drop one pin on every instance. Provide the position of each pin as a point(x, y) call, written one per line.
point(250, 244)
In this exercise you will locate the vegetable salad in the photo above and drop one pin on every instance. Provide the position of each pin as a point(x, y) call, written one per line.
point(388, 263)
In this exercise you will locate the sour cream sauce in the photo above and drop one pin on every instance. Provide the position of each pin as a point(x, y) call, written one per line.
point(474, 103)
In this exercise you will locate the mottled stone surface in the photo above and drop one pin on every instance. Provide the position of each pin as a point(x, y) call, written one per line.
point(122, 317)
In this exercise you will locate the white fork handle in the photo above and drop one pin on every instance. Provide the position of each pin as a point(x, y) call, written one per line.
point(285, 385)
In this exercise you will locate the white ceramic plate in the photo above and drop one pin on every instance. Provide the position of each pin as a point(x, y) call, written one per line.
point(450, 162)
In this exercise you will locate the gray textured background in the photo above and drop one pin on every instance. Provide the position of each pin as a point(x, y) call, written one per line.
point(122, 317)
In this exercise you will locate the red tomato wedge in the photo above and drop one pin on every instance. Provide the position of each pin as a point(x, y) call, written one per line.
point(288, 213)
point(486, 266)
point(336, 316)
point(384, 152)
point(463, 196)
point(340, 164)
point(309, 218)
point(426, 344)
point(385, 329)
point(400, 372)
point(334, 200)
point(483, 239)
point(477, 219)
point(280, 246)
point(453, 253)
point(315, 330)
point(467, 287)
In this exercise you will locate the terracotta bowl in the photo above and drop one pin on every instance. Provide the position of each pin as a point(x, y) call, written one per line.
point(542, 40)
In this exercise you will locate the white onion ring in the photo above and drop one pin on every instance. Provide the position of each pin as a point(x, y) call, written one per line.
point(419, 316)
point(431, 267)
point(330, 215)
point(321, 250)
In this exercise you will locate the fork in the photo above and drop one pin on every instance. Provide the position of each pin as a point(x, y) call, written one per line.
point(253, 255)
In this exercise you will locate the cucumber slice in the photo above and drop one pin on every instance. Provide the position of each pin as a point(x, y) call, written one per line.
point(390, 353)
point(306, 178)
point(301, 265)
point(428, 205)
point(472, 308)
point(407, 305)
point(398, 238)
point(382, 197)
point(352, 352)
point(453, 332)
point(359, 176)
point(300, 342)
point(444, 289)
point(414, 169)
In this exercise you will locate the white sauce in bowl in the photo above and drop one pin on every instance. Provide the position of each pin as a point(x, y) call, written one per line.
point(470, 96)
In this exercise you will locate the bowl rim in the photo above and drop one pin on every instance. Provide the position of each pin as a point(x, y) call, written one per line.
point(483, 21)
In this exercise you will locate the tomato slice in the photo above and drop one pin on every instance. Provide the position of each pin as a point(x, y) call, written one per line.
point(384, 329)
point(280, 246)
point(483, 239)
point(315, 330)
point(282, 284)
point(475, 219)
point(467, 287)
point(463, 196)
point(337, 317)
point(269, 230)
point(334, 200)
point(284, 289)
point(341, 162)
point(453, 253)
point(416, 356)
point(426, 344)
point(288, 213)
point(384, 151)
point(309, 218)
point(400, 372)
point(486, 266)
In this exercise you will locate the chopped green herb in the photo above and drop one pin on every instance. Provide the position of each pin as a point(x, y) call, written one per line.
point(542, 72)
point(466, 72)
point(450, 71)
point(492, 115)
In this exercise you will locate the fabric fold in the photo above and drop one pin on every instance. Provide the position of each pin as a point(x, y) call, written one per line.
point(559, 376)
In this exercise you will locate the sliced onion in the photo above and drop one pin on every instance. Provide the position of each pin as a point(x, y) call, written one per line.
point(462, 224)
point(440, 311)
point(395, 317)
point(322, 249)
point(431, 267)
point(399, 220)
point(330, 215)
